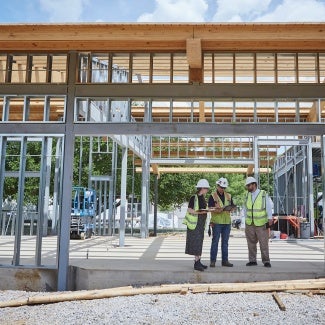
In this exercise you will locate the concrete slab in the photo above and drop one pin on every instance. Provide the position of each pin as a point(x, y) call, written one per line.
point(162, 260)
point(99, 262)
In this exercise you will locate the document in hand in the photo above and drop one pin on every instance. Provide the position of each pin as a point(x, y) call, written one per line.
point(229, 207)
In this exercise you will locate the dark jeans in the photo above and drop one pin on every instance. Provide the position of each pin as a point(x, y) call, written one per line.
point(224, 231)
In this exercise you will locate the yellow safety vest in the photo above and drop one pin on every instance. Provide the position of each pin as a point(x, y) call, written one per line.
point(190, 220)
point(256, 211)
point(222, 218)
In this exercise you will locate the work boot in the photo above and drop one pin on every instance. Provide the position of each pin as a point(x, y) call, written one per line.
point(267, 264)
point(198, 266)
point(204, 266)
point(212, 264)
point(227, 263)
point(251, 263)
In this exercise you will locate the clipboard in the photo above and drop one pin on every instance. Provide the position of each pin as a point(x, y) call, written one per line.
point(205, 210)
point(229, 207)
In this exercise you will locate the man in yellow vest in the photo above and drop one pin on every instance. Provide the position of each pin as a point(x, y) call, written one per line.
point(258, 219)
point(220, 222)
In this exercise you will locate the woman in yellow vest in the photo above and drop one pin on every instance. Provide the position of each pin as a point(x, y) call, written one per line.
point(195, 221)
point(220, 222)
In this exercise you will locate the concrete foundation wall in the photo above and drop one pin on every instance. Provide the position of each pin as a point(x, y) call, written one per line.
point(28, 279)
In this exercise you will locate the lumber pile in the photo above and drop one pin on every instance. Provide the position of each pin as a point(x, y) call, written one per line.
point(313, 286)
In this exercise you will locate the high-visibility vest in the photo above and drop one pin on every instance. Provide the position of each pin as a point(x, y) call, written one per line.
point(190, 220)
point(256, 211)
point(222, 218)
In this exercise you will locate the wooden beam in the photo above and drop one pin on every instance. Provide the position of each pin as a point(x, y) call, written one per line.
point(312, 115)
point(194, 53)
point(155, 169)
point(163, 37)
point(250, 169)
point(178, 170)
point(202, 111)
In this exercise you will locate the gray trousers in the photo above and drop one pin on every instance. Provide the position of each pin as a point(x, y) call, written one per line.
point(256, 235)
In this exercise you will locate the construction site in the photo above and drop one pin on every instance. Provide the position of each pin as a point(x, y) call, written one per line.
point(93, 99)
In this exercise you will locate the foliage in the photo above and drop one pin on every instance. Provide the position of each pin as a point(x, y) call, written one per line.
point(12, 164)
point(175, 189)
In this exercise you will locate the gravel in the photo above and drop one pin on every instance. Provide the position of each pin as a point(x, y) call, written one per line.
point(200, 308)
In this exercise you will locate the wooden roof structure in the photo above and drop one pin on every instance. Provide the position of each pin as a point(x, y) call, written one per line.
point(191, 38)
point(160, 37)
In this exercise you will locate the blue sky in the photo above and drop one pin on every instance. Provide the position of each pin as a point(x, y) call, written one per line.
point(64, 11)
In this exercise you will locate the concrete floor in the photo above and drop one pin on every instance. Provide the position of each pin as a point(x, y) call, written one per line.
point(99, 262)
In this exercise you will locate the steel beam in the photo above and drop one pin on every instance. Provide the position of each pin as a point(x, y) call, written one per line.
point(201, 91)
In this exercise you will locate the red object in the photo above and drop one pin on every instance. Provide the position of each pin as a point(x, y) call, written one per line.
point(283, 236)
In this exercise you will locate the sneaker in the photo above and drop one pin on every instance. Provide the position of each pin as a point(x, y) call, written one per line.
point(227, 263)
point(212, 264)
point(251, 263)
point(204, 266)
point(267, 264)
point(198, 266)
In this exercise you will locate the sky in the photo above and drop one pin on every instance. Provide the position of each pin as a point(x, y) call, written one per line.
point(159, 11)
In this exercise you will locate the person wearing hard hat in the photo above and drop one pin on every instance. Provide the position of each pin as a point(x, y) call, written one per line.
point(258, 219)
point(220, 222)
point(195, 220)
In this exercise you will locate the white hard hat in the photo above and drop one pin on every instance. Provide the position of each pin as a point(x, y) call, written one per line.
point(250, 180)
point(222, 182)
point(202, 183)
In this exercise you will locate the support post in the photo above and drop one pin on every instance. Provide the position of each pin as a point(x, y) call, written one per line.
point(123, 196)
